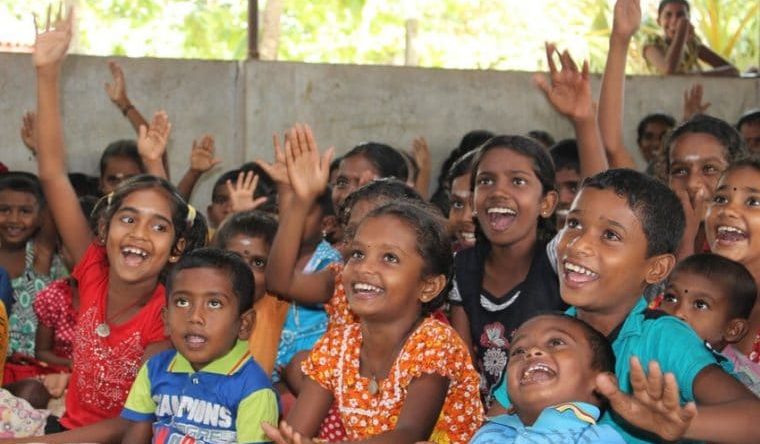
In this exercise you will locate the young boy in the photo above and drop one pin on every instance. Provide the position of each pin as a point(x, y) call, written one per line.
point(621, 235)
point(209, 389)
point(715, 296)
point(552, 368)
point(568, 176)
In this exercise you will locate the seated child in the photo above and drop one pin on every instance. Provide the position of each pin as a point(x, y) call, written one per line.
point(552, 368)
point(715, 296)
point(209, 389)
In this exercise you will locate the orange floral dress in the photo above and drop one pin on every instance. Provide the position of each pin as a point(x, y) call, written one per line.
point(433, 348)
point(338, 311)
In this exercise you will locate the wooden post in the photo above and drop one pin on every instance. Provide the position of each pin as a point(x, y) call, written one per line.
point(253, 29)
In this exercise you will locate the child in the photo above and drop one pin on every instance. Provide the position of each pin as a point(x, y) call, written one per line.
point(461, 223)
point(507, 277)
point(221, 206)
point(715, 296)
point(749, 127)
point(567, 165)
point(145, 226)
point(223, 394)
point(398, 375)
point(621, 235)
point(119, 161)
point(679, 50)
point(553, 364)
point(649, 135)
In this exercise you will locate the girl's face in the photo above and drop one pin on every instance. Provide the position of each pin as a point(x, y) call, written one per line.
point(732, 222)
point(509, 197)
point(383, 275)
point(141, 236)
point(117, 170)
point(255, 252)
point(461, 223)
point(19, 217)
point(696, 162)
point(353, 172)
point(669, 17)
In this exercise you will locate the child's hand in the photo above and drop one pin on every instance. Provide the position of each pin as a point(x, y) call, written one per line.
point(421, 153)
point(285, 434)
point(56, 383)
point(29, 132)
point(308, 172)
point(692, 101)
point(570, 89)
point(241, 193)
point(151, 142)
point(117, 91)
point(655, 404)
point(277, 170)
point(51, 44)
point(202, 157)
point(627, 18)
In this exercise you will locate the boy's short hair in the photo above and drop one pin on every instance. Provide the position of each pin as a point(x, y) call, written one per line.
point(664, 3)
point(460, 167)
point(253, 223)
point(726, 134)
point(565, 155)
point(656, 206)
point(23, 182)
point(751, 116)
point(665, 119)
point(542, 136)
point(731, 276)
point(240, 273)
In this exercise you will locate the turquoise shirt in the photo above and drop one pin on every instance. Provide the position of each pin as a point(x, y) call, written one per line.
point(650, 336)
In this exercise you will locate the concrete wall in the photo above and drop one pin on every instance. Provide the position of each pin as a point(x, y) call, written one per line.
point(243, 103)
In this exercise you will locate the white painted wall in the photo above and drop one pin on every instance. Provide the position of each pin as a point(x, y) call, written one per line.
point(242, 103)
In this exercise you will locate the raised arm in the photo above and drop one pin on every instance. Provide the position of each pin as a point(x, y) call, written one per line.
point(667, 61)
point(307, 174)
point(29, 131)
point(241, 192)
point(626, 21)
point(50, 48)
point(569, 92)
point(721, 66)
point(151, 144)
point(202, 159)
point(421, 154)
point(692, 101)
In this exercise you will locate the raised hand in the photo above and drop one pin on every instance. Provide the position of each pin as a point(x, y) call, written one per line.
point(241, 192)
point(626, 18)
point(421, 152)
point(277, 170)
point(202, 155)
point(117, 90)
point(284, 434)
point(151, 142)
point(52, 41)
point(29, 132)
point(692, 101)
point(569, 92)
point(308, 172)
point(654, 406)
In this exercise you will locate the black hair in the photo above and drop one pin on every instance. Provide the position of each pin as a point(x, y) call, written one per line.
point(543, 167)
point(194, 231)
point(87, 205)
point(731, 276)
point(85, 185)
point(253, 223)
point(385, 159)
point(664, 3)
point(23, 182)
point(388, 188)
point(433, 241)
point(656, 206)
point(411, 165)
point(543, 137)
point(565, 155)
point(121, 148)
point(335, 164)
point(748, 161)
point(230, 262)
point(230, 175)
point(665, 119)
point(726, 135)
point(751, 116)
point(462, 166)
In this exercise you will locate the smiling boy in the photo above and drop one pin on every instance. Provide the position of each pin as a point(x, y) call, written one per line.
point(209, 389)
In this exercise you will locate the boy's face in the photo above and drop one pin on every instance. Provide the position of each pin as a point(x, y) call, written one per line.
point(19, 217)
point(751, 135)
point(255, 252)
point(732, 222)
point(651, 139)
point(220, 206)
point(461, 223)
point(353, 172)
point(117, 170)
point(202, 315)
point(602, 250)
point(701, 303)
point(696, 162)
point(567, 180)
point(549, 363)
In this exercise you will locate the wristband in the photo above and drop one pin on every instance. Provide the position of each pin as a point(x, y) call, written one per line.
point(126, 109)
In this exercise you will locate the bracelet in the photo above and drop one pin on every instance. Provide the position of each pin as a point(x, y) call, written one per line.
point(126, 109)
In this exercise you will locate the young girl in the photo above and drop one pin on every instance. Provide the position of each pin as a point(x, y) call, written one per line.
point(679, 50)
point(144, 226)
point(398, 374)
point(507, 277)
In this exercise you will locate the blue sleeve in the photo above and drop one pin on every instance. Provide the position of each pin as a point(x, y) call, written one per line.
point(493, 433)
point(6, 291)
point(500, 393)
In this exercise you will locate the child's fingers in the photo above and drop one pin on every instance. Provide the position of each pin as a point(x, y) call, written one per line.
point(670, 393)
point(550, 49)
point(273, 433)
point(542, 83)
point(688, 412)
point(47, 22)
point(654, 381)
point(254, 181)
point(324, 163)
point(311, 143)
point(638, 378)
point(302, 145)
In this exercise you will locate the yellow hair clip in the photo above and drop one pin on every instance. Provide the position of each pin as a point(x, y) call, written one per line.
point(190, 214)
point(109, 198)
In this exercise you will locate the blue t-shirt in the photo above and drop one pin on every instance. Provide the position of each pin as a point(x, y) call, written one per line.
point(563, 423)
point(651, 336)
point(6, 291)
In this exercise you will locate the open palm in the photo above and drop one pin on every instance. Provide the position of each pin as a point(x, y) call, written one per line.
point(52, 42)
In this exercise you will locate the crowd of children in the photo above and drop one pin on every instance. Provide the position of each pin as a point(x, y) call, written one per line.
point(546, 292)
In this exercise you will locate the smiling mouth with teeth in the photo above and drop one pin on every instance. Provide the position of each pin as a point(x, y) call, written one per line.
point(730, 234)
point(578, 273)
point(536, 373)
point(500, 218)
point(362, 287)
point(133, 255)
